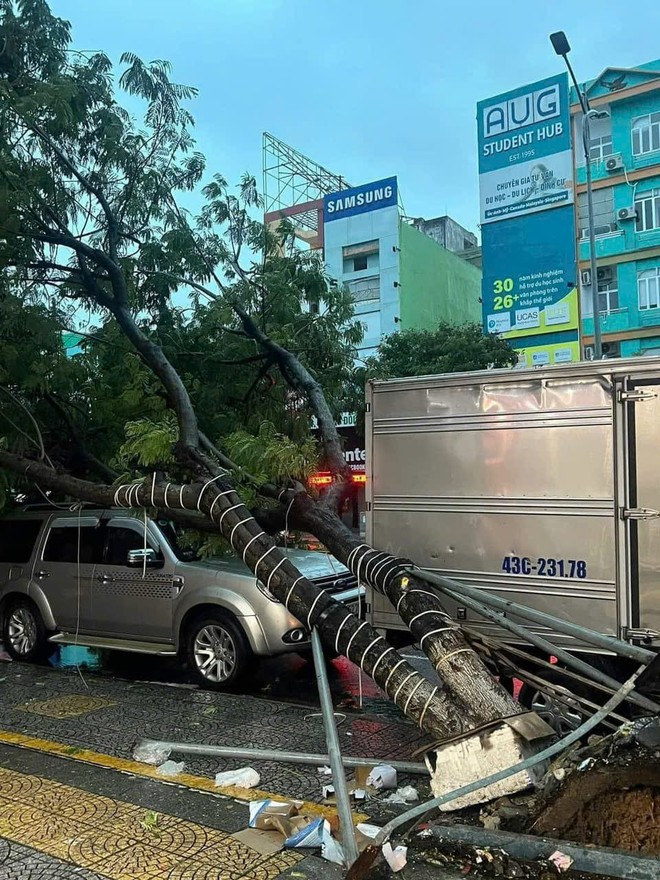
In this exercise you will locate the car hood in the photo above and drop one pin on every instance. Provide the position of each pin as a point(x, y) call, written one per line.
point(311, 563)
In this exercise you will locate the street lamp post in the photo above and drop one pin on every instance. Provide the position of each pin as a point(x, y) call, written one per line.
point(562, 47)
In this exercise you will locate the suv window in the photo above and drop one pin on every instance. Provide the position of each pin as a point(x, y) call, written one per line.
point(62, 545)
point(17, 539)
point(121, 541)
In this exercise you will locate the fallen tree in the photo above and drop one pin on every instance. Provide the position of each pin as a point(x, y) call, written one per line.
point(91, 221)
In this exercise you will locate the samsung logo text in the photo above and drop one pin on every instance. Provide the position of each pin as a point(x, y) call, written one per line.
point(358, 200)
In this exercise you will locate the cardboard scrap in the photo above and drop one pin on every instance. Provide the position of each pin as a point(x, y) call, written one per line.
point(298, 830)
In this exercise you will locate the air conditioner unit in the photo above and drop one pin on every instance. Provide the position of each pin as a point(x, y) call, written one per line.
point(627, 213)
point(585, 278)
point(614, 163)
point(605, 274)
point(588, 352)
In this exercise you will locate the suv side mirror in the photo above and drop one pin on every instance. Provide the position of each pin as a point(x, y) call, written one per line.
point(136, 558)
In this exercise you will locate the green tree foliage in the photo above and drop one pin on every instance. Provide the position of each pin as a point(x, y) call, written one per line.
point(87, 186)
point(446, 349)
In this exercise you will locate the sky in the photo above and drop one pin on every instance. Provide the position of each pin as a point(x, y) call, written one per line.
point(366, 88)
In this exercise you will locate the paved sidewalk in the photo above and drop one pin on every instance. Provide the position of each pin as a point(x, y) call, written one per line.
point(110, 716)
point(73, 803)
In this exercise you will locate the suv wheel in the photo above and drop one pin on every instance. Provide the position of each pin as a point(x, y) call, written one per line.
point(23, 632)
point(217, 651)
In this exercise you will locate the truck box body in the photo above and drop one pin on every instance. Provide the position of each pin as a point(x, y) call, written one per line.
point(540, 485)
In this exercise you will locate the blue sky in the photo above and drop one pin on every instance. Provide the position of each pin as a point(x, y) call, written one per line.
point(367, 88)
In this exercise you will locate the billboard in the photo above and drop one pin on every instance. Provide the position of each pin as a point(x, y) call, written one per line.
point(530, 285)
point(530, 275)
point(360, 199)
point(525, 159)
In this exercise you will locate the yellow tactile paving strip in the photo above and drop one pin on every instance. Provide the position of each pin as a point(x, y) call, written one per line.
point(121, 841)
point(200, 783)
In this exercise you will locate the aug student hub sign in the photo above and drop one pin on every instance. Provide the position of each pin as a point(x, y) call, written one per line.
point(360, 199)
point(525, 161)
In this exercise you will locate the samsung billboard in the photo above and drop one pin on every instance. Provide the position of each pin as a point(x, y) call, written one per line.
point(360, 199)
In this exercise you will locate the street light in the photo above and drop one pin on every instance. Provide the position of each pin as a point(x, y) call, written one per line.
point(562, 47)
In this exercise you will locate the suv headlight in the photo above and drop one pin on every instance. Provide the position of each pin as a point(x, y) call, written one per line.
point(267, 593)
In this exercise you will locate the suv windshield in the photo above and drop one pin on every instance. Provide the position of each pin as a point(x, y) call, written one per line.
point(173, 534)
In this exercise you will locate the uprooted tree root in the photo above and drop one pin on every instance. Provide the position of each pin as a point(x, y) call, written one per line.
point(622, 820)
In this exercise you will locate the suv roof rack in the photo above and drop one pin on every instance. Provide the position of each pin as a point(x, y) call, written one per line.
point(56, 505)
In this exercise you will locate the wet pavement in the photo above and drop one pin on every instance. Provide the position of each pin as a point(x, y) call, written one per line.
point(289, 677)
point(73, 803)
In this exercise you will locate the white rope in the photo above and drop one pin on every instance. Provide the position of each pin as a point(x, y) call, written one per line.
point(350, 641)
point(392, 671)
point(427, 704)
point(270, 550)
point(410, 592)
point(144, 555)
point(410, 695)
point(292, 588)
point(384, 654)
point(181, 504)
point(216, 499)
point(251, 541)
point(229, 510)
point(421, 614)
point(281, 562)
point(367, 649)
point(238, 525)
point(407, 678)
point(204, 487)
point(167, 486)
point(434, 632)
point(153, 488)
point(372, 560)
point(341, 626)
point(311, 610)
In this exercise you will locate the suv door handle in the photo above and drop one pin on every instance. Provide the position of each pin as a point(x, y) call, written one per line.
point(42, 574)
point(105, 578)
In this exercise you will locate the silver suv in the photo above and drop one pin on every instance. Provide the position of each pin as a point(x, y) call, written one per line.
point(86, 577)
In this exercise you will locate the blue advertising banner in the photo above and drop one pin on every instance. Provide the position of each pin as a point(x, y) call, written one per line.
point(530, 282)
point(525, 159)
point(360, 199)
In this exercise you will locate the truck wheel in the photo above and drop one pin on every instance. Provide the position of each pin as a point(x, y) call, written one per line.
point(23, 632)
point(217, 651)
point(563, 716)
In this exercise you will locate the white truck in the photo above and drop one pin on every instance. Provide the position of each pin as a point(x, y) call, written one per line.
point(541, 485)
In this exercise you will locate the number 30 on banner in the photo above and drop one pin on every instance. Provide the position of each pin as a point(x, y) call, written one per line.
point(503, 285)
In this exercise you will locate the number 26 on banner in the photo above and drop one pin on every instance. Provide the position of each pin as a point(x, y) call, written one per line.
point(500, 286)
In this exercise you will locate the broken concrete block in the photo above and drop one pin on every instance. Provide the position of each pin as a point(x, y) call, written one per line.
point(476, 756)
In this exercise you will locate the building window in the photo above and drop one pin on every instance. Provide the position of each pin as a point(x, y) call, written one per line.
point(648, 210)
point(360, 257)
point(604, 218)
point(365, 290)
point(646, 134)
point(608, 297)
point(648, 289)
point(600, 147)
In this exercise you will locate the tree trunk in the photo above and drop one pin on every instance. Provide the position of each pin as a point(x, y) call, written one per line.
point(461, 670)
point(427, 705)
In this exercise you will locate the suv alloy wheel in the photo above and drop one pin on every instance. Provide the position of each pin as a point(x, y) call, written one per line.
point(217, 651)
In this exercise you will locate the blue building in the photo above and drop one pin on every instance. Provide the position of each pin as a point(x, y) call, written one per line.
point(625, 157)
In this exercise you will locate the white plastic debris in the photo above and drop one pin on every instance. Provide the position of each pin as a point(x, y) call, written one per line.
point(331, 849)
point(395, 858)
point(324, 771)
point(367, 829)
point(382, 776)
point(170, 768)
point(246, 777)
point(586, 764)
point(151, 754)
point(328, 791)
point(561, 861)
point(405, 795)
point(359, 794)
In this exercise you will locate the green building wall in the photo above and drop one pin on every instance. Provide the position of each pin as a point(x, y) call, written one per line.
point(436, 285)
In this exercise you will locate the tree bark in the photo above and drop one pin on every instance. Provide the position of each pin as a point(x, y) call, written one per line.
point(461, 670)
point(427, 705)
